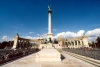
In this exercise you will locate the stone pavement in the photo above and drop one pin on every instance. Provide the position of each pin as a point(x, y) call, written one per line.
point(67, 61)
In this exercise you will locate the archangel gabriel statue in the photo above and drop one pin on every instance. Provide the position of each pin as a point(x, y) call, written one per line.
point(49, 7)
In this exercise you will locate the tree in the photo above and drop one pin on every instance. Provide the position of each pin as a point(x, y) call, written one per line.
point(0, 45)
point(90, 44)
point(3, 45)
point(98, 41)
point(55, 41)
point(93, 44)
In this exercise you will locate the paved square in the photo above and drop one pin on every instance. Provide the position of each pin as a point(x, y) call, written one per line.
point(29, 61)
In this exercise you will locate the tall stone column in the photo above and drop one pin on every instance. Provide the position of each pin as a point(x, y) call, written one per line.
point(50, 34)
point(85, 40)
point(70, 43)
point(77, 44)
point(15, 41)
point(80, 43)
point(74, 44)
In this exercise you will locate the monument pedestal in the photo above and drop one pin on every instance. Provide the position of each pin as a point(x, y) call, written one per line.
point(42, 46)
point(48, 55)
point(50, 35)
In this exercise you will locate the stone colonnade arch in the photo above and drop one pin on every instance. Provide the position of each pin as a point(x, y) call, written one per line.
point(74, 42)
point(22, 43)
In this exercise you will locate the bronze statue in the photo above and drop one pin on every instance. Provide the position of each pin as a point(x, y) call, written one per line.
point(49, 7)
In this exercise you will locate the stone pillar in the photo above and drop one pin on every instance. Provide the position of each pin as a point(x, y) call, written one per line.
point(39, 42)
point(15, 41)
point(74, 44)
point(70, 44)
point(67, 44)
point(26, 43)
point(50, 34)
point(21, 42)
point(85, 40)
point(80, 43)
point(60, 40)
point(49, 21)
point(77, 44)
point(10, 44)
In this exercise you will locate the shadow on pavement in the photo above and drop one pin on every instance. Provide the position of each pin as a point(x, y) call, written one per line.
point(62, 57)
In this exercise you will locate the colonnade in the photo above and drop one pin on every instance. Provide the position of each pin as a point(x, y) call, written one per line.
point(71, 43)
point(74, 43)
point(22, 43)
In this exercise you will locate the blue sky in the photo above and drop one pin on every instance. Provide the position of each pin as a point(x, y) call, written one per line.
point(30, 17)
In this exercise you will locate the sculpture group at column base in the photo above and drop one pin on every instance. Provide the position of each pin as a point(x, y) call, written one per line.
point(48, 55)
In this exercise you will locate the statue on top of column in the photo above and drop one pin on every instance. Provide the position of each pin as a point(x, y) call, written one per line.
point(17, 34)
point(49, 7)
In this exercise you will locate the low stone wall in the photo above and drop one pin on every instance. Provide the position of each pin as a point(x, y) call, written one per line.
point(45, 46)
point(49, 45)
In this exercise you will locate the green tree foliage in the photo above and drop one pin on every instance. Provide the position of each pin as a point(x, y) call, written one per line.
point(92, 44)
point(98, 42)
point(6, 44)
point(55, 41)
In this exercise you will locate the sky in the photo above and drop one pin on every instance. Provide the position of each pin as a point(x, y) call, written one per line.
point(29, 18)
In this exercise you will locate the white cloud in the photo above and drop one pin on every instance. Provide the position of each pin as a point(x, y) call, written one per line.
point(42, 35)
point(70, 34)
point(29, 37)
point(54, 29)
point(31, 32)
point(80, 33)
point(6, 38)
point(92, 39)
point(92, 34)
